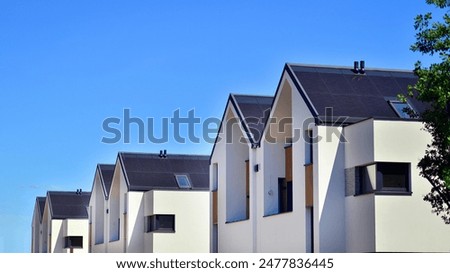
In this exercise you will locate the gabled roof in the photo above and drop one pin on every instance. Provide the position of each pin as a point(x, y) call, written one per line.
point(40, 203)
point(106, 172)
point(68, 205)
point(253, 112)
point(144, 172)
point(352, 95)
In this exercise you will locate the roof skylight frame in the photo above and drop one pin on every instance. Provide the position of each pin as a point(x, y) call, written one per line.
point(183, 181)
point(394, 102)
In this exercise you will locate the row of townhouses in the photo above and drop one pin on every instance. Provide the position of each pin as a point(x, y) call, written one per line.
point(328, 164)
point(143, 203)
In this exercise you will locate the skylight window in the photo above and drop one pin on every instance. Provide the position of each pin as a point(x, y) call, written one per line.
point(183, 181)
point(403, 109)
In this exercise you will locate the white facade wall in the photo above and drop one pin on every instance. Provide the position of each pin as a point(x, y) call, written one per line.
point(135, 222)
point(56, 233)
point(237, 151)
point(97, 210)
point(284, 232)
point(235, 232)
point(391, 223)
point(397, 228)
point(329, 190)
point(36, 228)
point(115, 217)
point(360, 210)
point(359, 148)
point(192, 225)
point(43, 244)
point(75, 227)
point(360, 223)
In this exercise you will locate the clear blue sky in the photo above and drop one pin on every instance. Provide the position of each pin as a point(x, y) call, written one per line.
point(65, 66)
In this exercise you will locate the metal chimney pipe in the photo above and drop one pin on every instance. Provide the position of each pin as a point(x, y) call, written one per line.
point(356, 67)
point(362, 67)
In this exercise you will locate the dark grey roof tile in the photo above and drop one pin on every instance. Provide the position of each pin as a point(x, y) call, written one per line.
point(354, 95)
point(255, 111)
point(149, 171)
point(68, 205)
point(106, 172)
point(41, 205)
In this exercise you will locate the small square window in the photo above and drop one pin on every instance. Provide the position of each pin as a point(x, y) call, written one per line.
point(183, 181)
point(393, 177)
point(164, 223)
point(73, 242)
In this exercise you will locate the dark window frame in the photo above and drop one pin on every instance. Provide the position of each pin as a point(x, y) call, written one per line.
point(401, 113)
point(403, 168)
point(285, 197)
point(73, 242)
point(157, 223)
point(309, 147)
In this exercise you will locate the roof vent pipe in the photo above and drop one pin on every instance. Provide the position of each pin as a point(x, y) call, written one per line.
point(160, 153)
point(356, 67)
point(362, 67)
point(165, 154)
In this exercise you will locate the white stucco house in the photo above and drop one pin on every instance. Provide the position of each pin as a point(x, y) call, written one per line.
point(156, 203)
point(328, 165)
point(98, 207)
point(36, 224)
point(64, 223)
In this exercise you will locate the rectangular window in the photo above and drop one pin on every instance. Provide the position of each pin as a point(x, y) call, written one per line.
point(383, 178)
point(73, 242)
point(164, 223)
point(284, 195)
point(215, 174)
point(308, 147)
point(125, 203)
point(393, 177)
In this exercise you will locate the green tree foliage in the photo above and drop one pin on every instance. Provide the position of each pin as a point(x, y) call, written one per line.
point(433, 88)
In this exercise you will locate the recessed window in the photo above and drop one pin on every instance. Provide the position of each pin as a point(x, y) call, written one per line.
point(183, 181)
point(393, 177)
point(382, 178)
point(284, 195)
point(73, 242)
point(308, 147)
point(164, 223)
point(403, 109)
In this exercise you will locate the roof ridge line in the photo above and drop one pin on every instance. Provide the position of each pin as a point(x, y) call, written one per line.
point(250, 95)
point(350, 67)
